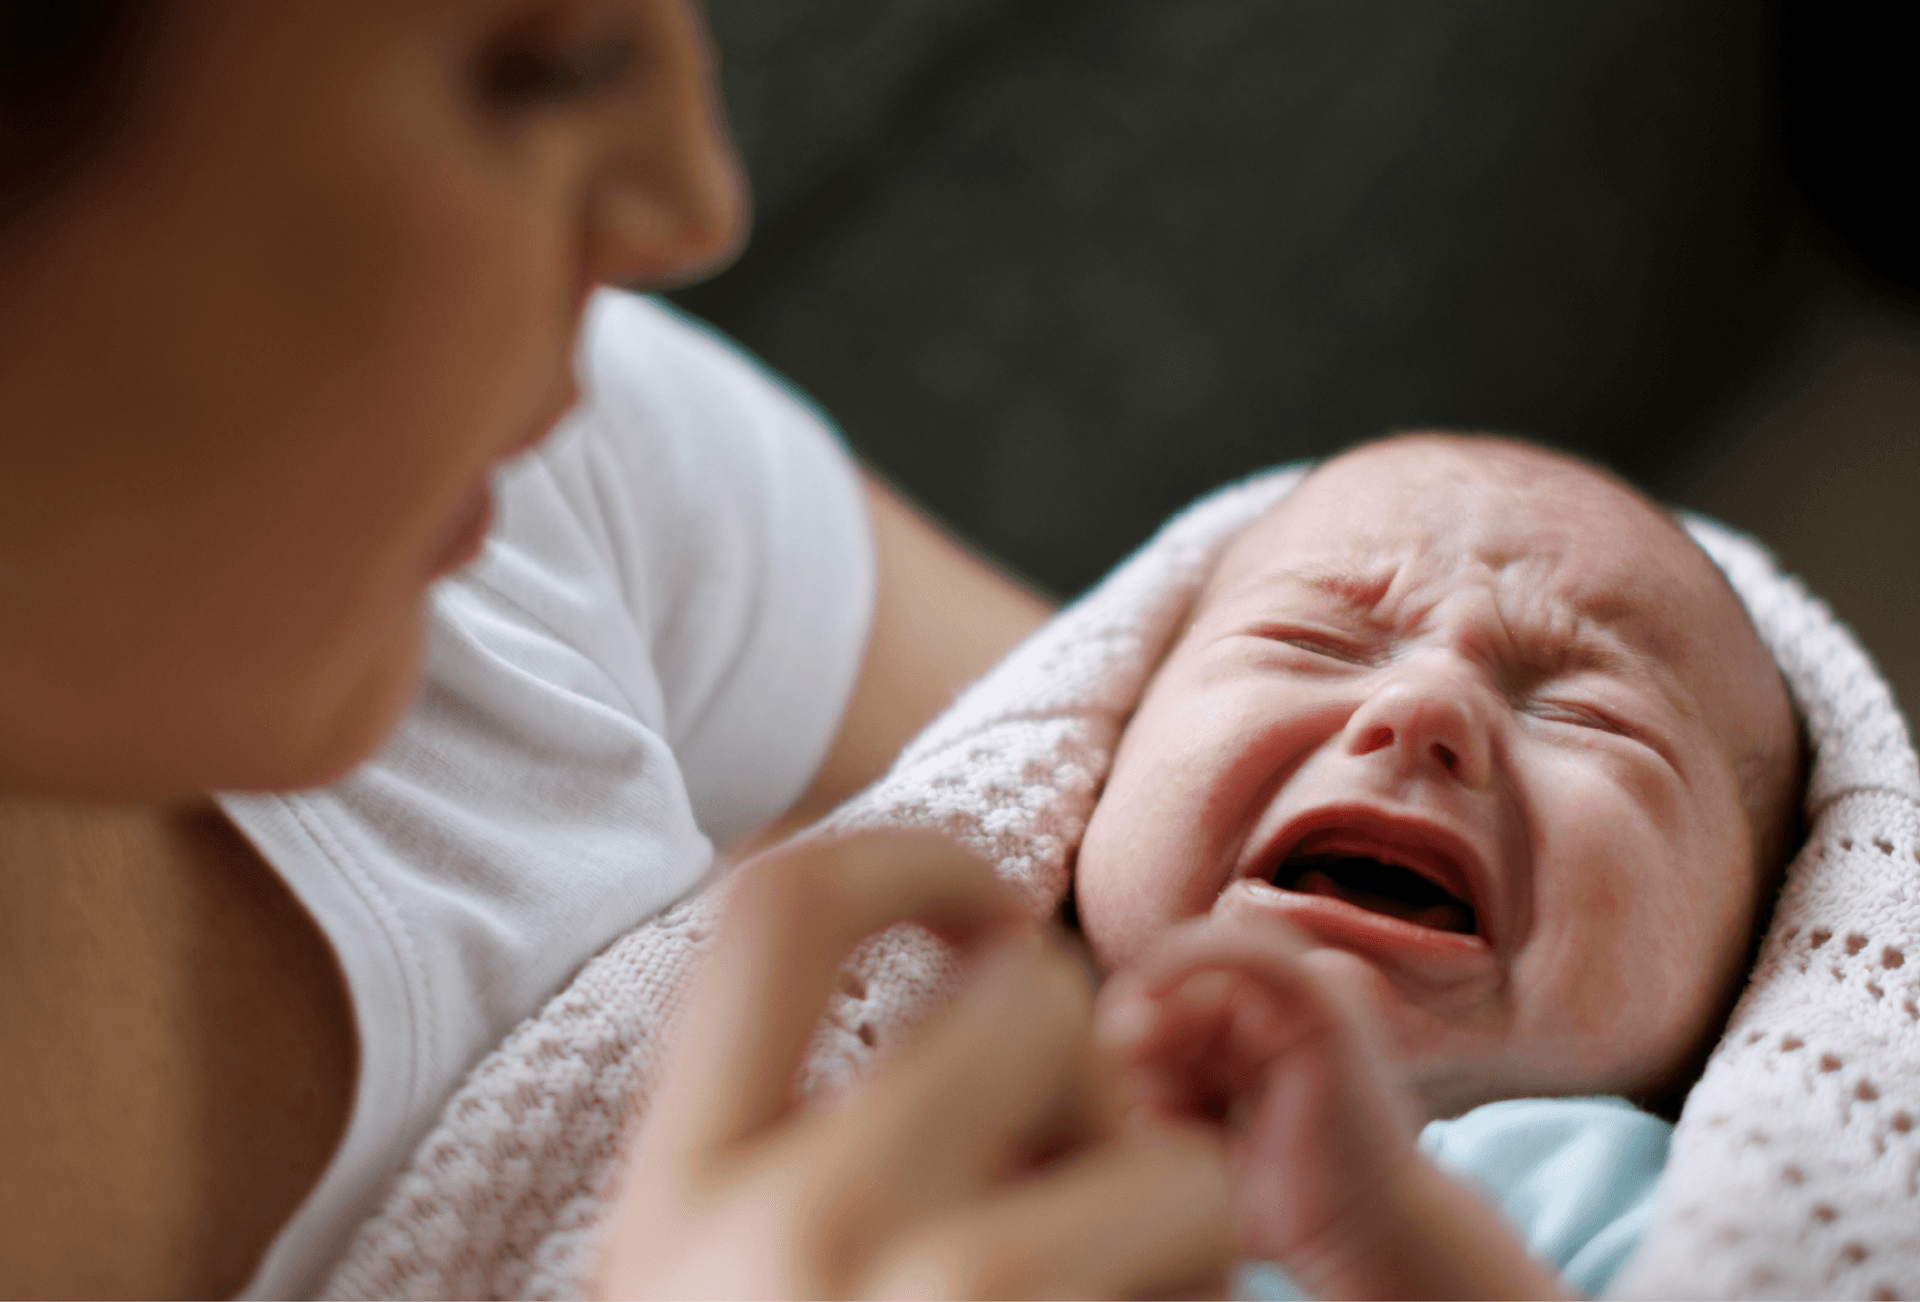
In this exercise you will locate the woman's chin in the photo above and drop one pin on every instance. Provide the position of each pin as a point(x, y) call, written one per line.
point(327, 745)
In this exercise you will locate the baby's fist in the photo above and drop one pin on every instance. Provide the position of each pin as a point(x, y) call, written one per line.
point(1226, 1020)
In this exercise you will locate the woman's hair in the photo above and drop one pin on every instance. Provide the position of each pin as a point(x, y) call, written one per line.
point(63, 80)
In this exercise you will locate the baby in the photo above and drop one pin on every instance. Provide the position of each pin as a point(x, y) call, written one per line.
point(1469, 781)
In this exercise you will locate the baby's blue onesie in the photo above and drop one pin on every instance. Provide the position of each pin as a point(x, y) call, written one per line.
point(1576, 1177)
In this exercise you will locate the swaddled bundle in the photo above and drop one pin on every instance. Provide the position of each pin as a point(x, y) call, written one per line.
point(1794, 1165)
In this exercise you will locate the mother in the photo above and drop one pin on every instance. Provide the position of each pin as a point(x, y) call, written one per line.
point(284, 285)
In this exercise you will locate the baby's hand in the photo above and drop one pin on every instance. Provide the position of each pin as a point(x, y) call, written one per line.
point(1230, 1019)
point(1234, 1020)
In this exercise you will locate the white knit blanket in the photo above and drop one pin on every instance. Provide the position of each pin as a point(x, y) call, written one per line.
point(1796, 1165)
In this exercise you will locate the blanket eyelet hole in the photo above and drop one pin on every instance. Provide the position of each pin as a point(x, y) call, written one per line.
point(1818, 937)
point(1891, 957)
point(1829, 1063)
point(1865, 1092)
point(1855, 943)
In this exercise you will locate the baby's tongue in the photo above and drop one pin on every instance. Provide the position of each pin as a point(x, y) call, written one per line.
point(1440, 917)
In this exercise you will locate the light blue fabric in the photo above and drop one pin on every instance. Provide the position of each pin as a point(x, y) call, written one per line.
point(1576, 1177)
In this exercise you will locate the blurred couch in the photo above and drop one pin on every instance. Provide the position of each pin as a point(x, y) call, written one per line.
point(1057, 266)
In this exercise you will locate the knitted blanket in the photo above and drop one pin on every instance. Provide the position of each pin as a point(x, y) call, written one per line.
point(1796, 1165)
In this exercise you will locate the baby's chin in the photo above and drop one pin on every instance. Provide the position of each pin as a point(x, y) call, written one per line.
point(1465, 1072)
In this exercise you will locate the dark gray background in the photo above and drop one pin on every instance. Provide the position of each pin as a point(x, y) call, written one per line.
point(1059, 266)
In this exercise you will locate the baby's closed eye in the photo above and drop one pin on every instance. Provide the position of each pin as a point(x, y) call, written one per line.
point(1323, 643)
point(1576, 713)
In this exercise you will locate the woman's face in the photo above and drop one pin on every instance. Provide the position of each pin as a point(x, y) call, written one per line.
point(260, 356)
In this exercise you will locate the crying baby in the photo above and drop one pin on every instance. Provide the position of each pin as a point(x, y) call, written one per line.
point(1469, 781)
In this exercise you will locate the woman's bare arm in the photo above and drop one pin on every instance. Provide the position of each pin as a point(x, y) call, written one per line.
point(942, 617)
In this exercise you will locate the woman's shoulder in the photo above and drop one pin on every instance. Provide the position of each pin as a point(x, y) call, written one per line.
point(685, 460)
point(697, 531)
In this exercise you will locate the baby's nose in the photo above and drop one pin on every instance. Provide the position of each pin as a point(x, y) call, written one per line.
point(1426, 716)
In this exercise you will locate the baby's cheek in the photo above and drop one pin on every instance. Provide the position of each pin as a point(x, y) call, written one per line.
point(1672, 893)
point(1716, 907)
point(1132, 869)
point(1101, 895)
point(1621, 977)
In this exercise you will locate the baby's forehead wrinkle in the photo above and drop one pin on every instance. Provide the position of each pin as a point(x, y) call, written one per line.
point(1354, 570)
point(1511, 611)
point(1359, 582)
point(1590, 621)
point(1589, 574)
point(1612, 577)
point(1558, 543)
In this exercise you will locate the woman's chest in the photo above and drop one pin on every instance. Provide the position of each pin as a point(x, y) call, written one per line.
point(182, 1053)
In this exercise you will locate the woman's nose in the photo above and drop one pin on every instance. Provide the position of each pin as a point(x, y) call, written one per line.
point(670, 201)
point(1426, 716)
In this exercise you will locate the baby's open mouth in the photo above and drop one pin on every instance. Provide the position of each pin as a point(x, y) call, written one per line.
point(1377, 886)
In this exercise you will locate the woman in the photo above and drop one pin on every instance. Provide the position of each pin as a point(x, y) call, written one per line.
point(285, 285)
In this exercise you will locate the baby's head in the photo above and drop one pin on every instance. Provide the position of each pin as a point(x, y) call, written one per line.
point(1487, 724)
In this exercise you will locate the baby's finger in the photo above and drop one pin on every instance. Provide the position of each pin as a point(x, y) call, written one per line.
point(1182, 999)
point(1197, 1063)
point(792, 918)
point(1177, 1028)
point(1258, 944)
point(1135, 1013)
point(1258, 1030)
point(1143, 1215)
point(1284, 996)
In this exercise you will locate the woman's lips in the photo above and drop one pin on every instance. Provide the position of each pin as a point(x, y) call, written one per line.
point(467, 527)
point(1423, 962)
point(466, 530)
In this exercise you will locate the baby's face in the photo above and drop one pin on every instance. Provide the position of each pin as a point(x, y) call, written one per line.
point(1490, 730)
